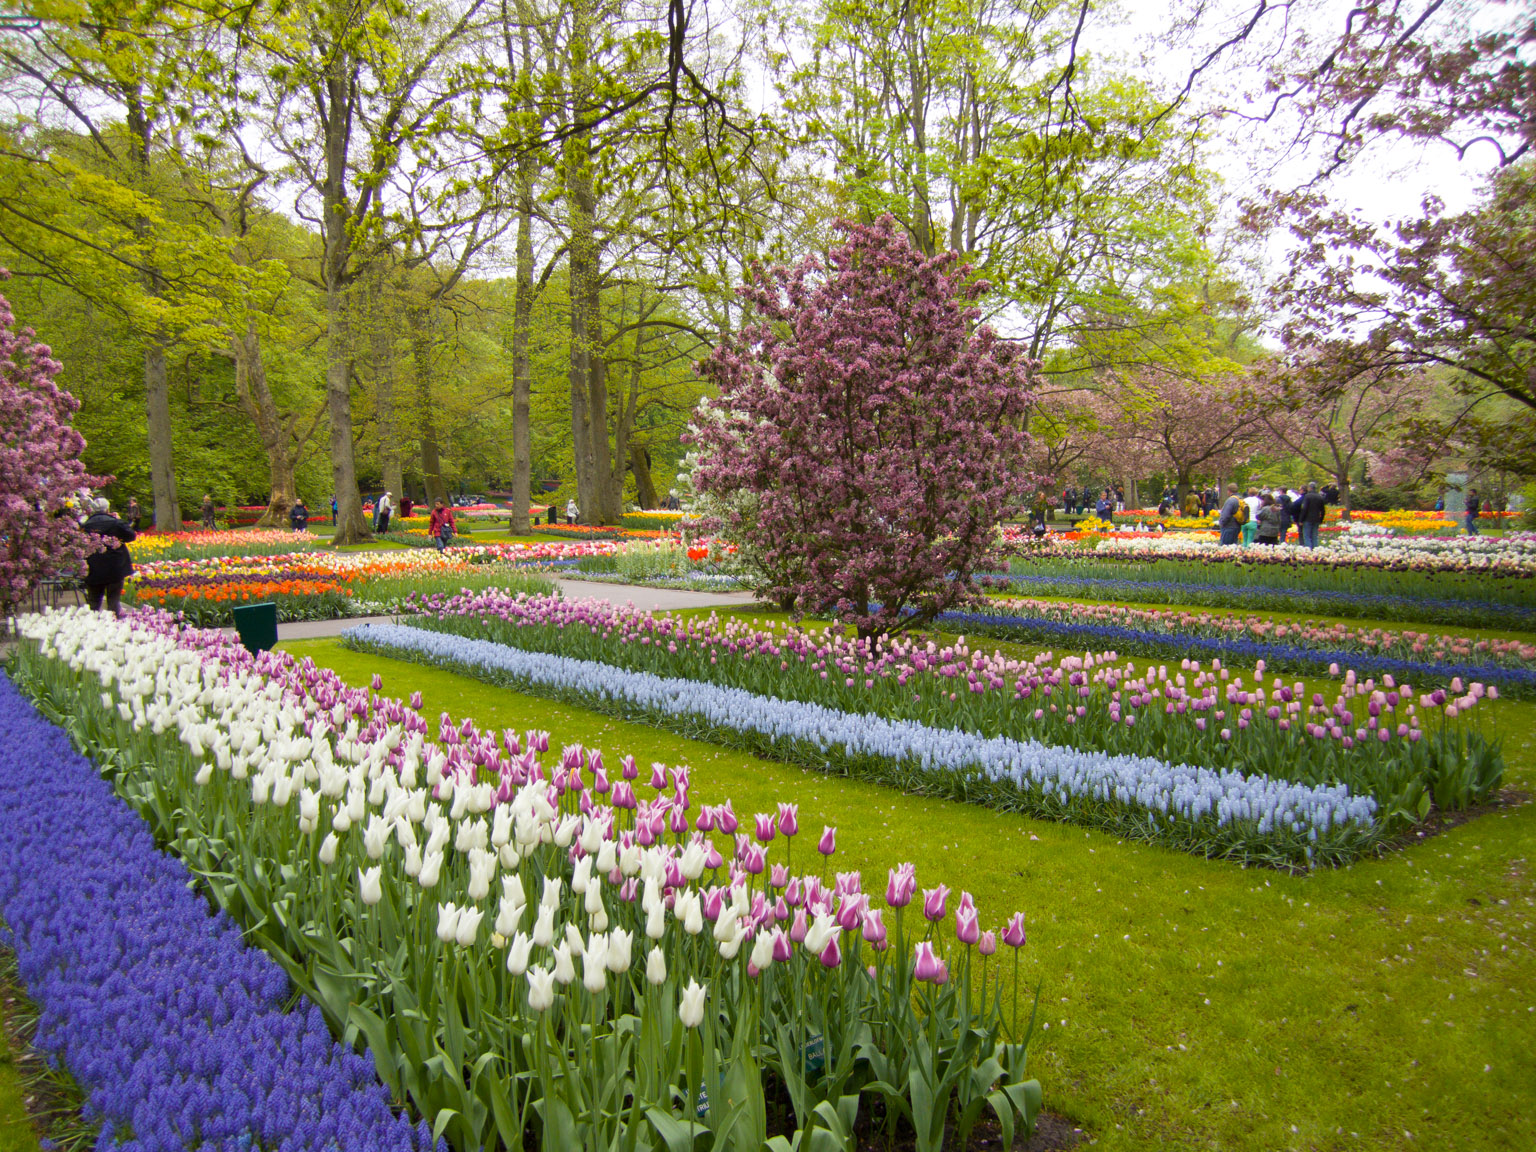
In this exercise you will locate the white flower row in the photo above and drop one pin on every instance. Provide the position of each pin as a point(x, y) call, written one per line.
point(1190, 793)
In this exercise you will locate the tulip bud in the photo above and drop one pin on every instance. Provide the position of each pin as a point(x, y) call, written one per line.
point(370, 887)
point(541, 989)
point(656, 967)
point(691, 1010)
point(827, 845)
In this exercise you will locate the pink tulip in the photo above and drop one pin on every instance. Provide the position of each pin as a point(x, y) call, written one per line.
point(850, 911)
point(725, 819)
point(828, 842)
point(753, 860)
point(832, 954)
point(600, 784)
point(714, 859)
point(629, 769)
point(658, 775)
point(795, 893)
point(874, 926)
point(988, 943)
point(783, 947)
point(764, 827)
point(928, 966)
point(799, 927)
point(934, 900)
point(967, 927)
point(1013, 935)
point(901, 885)
point(789, 819)
point(779, 877)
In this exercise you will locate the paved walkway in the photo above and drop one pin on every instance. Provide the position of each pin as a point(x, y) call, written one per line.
point(646, 599)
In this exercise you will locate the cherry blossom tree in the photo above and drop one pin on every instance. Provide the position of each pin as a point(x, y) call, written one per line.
point(41, 475)
point(879, 427)
point(1188, 423)
point(1333, 406)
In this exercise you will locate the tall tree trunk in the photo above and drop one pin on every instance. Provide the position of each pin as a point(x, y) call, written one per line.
point(608, 505)
point(352, 526)
point(522, 314)
point(390, 464)
point(586, 424)
point(162, 471)
point(645, 487)
point(256, 398)
point(426, 413)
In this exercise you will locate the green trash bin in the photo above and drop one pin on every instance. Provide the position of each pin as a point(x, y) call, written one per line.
point(257, 626)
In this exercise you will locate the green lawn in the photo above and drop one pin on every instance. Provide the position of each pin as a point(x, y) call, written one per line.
point(1184, 1002)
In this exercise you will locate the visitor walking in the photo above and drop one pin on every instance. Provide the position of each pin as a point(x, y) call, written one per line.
point(1229, 521)
point(208, 514)
point(1106, 507)
point(441, 526)
point(133, 513)
point(1271, 526)
point(1309, 511)
point(406, 505)
point(1471, 516)
point(298, 516)
point(333, 510)
point(106, 570)
point(1285, 500)
point(381, 513)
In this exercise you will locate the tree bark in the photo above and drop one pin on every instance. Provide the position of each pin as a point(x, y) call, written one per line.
point(162, 471)
point(607, 507)
point(645, 487)
point(352, 526)
point(426, 413)
point(256, 398)
point(585, 423)
point(390, 464)
point(522, 375)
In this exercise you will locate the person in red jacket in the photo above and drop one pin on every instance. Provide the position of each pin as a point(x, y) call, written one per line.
point(441, 525)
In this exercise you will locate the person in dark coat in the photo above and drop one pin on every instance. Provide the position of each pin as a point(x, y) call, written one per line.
point(1471, 513)
point(208, 514)
point(405, 506)
point(106, 570)
point(298, 516)
point(133, 513)
point(1309, 513)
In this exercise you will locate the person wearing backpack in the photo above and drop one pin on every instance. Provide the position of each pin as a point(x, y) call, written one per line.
point(1232, 527)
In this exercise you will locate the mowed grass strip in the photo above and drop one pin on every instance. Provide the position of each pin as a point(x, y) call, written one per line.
point(1185, 1002)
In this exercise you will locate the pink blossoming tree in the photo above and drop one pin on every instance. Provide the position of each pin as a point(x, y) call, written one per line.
point(875, 427)
point(41, 476)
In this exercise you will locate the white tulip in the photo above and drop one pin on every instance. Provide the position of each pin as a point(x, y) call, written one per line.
point(461, 798)
point(593, 833)
point(309, 806)
point(509, 856)
point(551, 895)
point(693, 861)
point(594, 973)
point(581, 877)
point(447, 922)
point(341, 821)
point(729, 948)
point(472, 834)
point(469, 926)
point(565, 969)
point(260, 784)
point(820, 934)
point(573, 939)
point(501, 826)
point(629, 860)
point(693, 914)
point(762, 950)
point(517, 954)
point(512, 890)
point(607, 857)
point(413, 860)
point(205, 774)
point(375, 836)
point(650, 895)
point(482, 870)
point(541, 989)
point(594, 900)
point(566, 831)
point(509, 917)
point(656, 922)
point(405, 832)
point(369, 885)
point(620, 947)
point(656, 967)
point(328, 849)
point(544, 926)
point(431, 868)
point(727, 927)
point(357, 804)
point(691, 1010)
